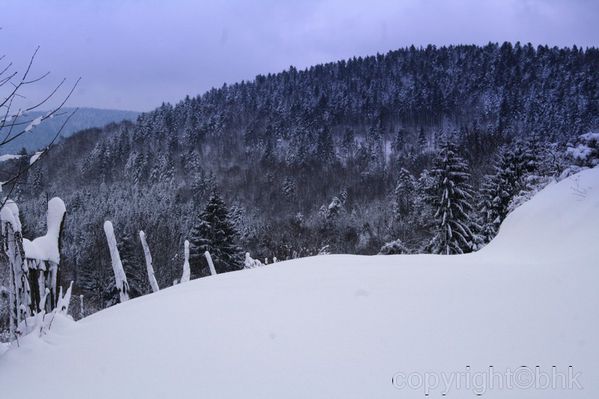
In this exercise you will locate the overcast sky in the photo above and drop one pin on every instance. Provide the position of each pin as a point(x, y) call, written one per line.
point(135, 54)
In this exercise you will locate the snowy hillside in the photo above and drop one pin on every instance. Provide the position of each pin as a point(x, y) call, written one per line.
point(347, 326)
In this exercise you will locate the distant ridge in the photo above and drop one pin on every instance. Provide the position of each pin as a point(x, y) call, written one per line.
point(84, 118)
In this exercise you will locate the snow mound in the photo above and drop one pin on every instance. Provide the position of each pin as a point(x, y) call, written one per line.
point(559, 223)
point(340, 326)
point(45, 248)
point(10, 214)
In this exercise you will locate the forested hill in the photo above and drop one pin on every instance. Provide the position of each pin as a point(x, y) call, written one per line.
point(500, 89)
point(336, 158)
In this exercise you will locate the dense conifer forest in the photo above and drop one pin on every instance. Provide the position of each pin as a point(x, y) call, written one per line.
point(345, 157)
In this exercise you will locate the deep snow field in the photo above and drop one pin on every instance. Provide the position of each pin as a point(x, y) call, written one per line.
point(341, 326)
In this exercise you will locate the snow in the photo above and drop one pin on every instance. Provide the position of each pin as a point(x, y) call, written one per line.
point(10, 214)
point(591, 136)
point(117, 265)
point(149, 267)
point(35, 157)
point(4, 347)
point(186, 272)
point(579, 152)
point(341, 326)
point(587, 149)
point(46, 248)
point(210, 263)
point(34, 123)
point(250, 263)
point(8, 157)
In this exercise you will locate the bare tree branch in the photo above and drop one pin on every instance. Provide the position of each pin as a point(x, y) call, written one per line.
point(13, 180)
point(12, 121)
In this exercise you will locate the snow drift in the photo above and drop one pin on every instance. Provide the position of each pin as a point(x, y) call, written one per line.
point(347, 326)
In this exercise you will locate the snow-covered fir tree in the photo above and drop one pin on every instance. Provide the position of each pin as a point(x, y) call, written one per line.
point(404, 194)
point(497, 192)
point(585, 151)
point(451, 197)
point(215, 232)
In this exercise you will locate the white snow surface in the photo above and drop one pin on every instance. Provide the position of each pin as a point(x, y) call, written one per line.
point(117, 264)
point(35, 157)
point(8, 157)
point(186, 271)
point(34, 123)
point(45, 248)
point(10, 214)
point(148, 258)
point(341, 326)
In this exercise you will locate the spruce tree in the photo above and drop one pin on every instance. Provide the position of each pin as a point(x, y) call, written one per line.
point(404, 196)
point(214, 232)
point(513, 167)
point(325, 148)
point(348, 145)
point(422, 140)
point(135, 270)
point(399, 142)
point(497, 192)
point(450, 195)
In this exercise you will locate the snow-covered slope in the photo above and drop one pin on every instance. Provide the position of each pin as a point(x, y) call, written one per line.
point(345, 326)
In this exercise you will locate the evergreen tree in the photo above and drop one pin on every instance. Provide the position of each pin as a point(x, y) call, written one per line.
point(348, 144)
point(289, 189)
point(214, 232)
point(404, 195)
point(497, 192)
point(422, 141)
point(375, 147)
point(399, 142)
point(450, 196)
point(513, 168)
point(325, 149)
point(135, 269)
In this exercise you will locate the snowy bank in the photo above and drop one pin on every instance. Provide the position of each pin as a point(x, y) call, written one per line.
point(347, 326)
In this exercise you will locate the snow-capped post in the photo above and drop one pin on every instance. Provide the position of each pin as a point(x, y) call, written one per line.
point(12, 246)
point(81, 306)
point(186, 271)
point(33, 265)
point(150, 268)
point(42, 256)
point(117, 266)
point(210, 263)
